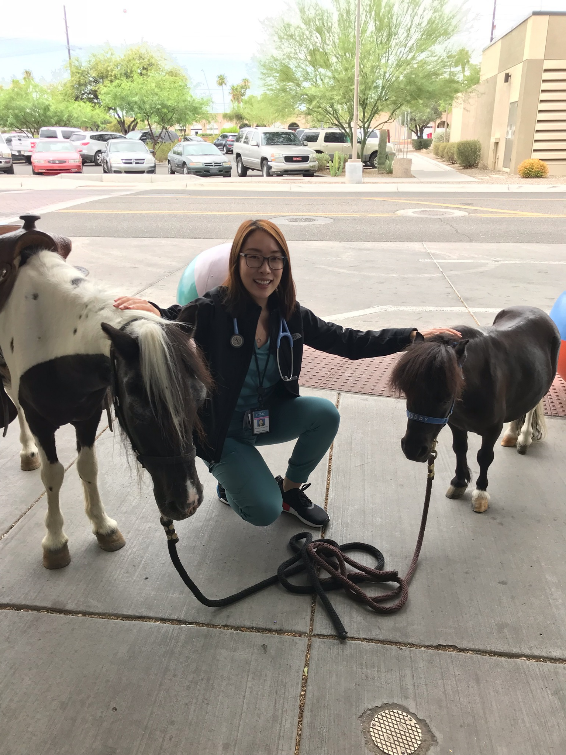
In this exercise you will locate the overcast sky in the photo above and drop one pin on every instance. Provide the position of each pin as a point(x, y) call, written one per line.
point(205, 41)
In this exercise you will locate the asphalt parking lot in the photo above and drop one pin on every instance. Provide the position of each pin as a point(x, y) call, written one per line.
point(371, 217)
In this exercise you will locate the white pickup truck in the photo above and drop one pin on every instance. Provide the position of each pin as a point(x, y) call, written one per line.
point(21, 145)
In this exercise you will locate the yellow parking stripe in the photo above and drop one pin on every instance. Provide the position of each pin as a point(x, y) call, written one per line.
point(303, 214)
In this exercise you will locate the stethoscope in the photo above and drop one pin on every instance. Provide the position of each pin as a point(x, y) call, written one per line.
point(237, 341)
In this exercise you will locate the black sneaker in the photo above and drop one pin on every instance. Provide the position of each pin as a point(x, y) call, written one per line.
point(221, 493)
point(296, 502)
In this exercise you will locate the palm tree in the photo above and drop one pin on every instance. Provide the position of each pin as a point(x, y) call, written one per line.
point(222, 81)
point(236, 93)
point(245, 84)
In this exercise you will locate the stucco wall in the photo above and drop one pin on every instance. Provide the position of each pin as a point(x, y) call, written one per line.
point(556, 38)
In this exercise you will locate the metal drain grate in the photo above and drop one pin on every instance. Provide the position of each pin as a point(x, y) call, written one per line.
point(395, 732)
point(371, 377)
point(300, 220)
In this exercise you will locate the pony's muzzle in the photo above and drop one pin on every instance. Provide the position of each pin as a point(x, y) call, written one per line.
point(415, 451)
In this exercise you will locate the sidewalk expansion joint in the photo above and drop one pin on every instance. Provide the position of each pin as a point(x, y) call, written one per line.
point(309, 635)
point(450, 283)
point(40, 496)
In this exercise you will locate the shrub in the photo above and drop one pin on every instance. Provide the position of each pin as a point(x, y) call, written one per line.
point(442, 149)
point(389, 163)
point(322, 159)
point(162, 150)
point(421, 144)
point(450, 152)
point(533, 168)
point(435, 146)
point(468, 153)
point(337, 164)
point(439, 136)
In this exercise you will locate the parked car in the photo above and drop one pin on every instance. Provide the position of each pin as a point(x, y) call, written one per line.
point(53, 156)
point(21, 145)
point(57, 132)
point(127, 156)
point(202, 159)
point(225, 142)
point(92, 144)
point(331, 140)
point(6, 165)
point(273, 151)
point(192, 138)
point(145, 136)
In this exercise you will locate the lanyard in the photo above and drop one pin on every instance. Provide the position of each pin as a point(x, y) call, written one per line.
point(260, 377)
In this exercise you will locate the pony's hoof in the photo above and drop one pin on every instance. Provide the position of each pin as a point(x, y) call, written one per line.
point(113, 541)
point(29, 463)
point(57, 559)
point(509, 441)
point(522, 448)
point(454, 492)
point(480, 501)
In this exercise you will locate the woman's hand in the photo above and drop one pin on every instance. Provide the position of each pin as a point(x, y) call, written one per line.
point(430, 332)
point(134, 302)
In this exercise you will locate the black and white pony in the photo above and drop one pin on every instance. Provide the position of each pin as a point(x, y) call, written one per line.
point(64, 345)
point(491, 376)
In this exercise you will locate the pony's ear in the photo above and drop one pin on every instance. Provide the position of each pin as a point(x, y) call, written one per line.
point(125, 344)
point(460, 348)
point(187, 318)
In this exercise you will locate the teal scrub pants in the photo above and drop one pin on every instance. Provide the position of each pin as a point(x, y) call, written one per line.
point(251, 488)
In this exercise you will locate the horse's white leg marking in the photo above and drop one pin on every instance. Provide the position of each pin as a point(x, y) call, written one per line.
point(511, 433)
point(526, 436)
point(105, 528)
point(29, 456)
point(55, 551)
point(480, 501)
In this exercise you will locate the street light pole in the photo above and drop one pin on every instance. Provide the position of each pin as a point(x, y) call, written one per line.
point(67, 34)
point(356, 87)
point(354, 167)
point(493, 22)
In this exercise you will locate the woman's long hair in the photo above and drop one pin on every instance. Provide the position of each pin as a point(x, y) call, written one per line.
point(237, 296)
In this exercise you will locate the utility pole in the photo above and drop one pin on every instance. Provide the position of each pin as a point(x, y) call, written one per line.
point(356, 87)
point(493, 22)
point(354, 167)
point(67, 34)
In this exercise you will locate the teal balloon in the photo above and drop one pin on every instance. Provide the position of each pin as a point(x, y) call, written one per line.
point(187, 288)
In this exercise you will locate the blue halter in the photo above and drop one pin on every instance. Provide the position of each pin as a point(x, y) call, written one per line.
point(430, 420)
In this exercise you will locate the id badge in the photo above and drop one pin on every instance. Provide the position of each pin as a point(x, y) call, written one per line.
point(260, 421)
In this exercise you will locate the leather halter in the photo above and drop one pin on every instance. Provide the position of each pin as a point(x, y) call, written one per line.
point(430, 420)
point(142, 458)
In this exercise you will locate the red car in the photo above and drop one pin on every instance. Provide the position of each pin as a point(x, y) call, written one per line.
point(53, 156)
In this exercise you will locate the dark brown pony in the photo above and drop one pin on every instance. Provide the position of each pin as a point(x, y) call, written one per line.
point(491, 376)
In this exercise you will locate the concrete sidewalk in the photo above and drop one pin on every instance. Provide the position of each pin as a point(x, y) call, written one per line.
point(113, 656)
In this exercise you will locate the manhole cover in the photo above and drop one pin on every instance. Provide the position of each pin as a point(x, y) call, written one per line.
point(426, 212)
point(395, 732)
point(391, 729)
point(300, 219)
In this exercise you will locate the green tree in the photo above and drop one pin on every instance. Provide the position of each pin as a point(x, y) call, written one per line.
point(402, 43)
point(435, 96)
point(265, 109)
point(88, 77)
point(160, 102)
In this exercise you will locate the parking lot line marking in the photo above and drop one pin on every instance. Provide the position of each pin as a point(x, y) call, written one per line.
point(303, 214)
point(461, 206)
point(237, 212)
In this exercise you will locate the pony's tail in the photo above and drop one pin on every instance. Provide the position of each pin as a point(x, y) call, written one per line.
point(539, 423)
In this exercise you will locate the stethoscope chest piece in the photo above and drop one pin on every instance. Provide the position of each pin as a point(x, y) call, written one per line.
point(237, 341)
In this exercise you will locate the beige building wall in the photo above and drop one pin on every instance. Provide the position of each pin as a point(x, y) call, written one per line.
point(518, 110)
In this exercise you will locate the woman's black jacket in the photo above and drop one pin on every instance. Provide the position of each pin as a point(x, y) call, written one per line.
point(229, 365)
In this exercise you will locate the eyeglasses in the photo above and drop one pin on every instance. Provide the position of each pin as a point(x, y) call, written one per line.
point(255, 261)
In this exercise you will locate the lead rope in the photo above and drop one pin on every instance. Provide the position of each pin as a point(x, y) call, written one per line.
point(328, 555)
